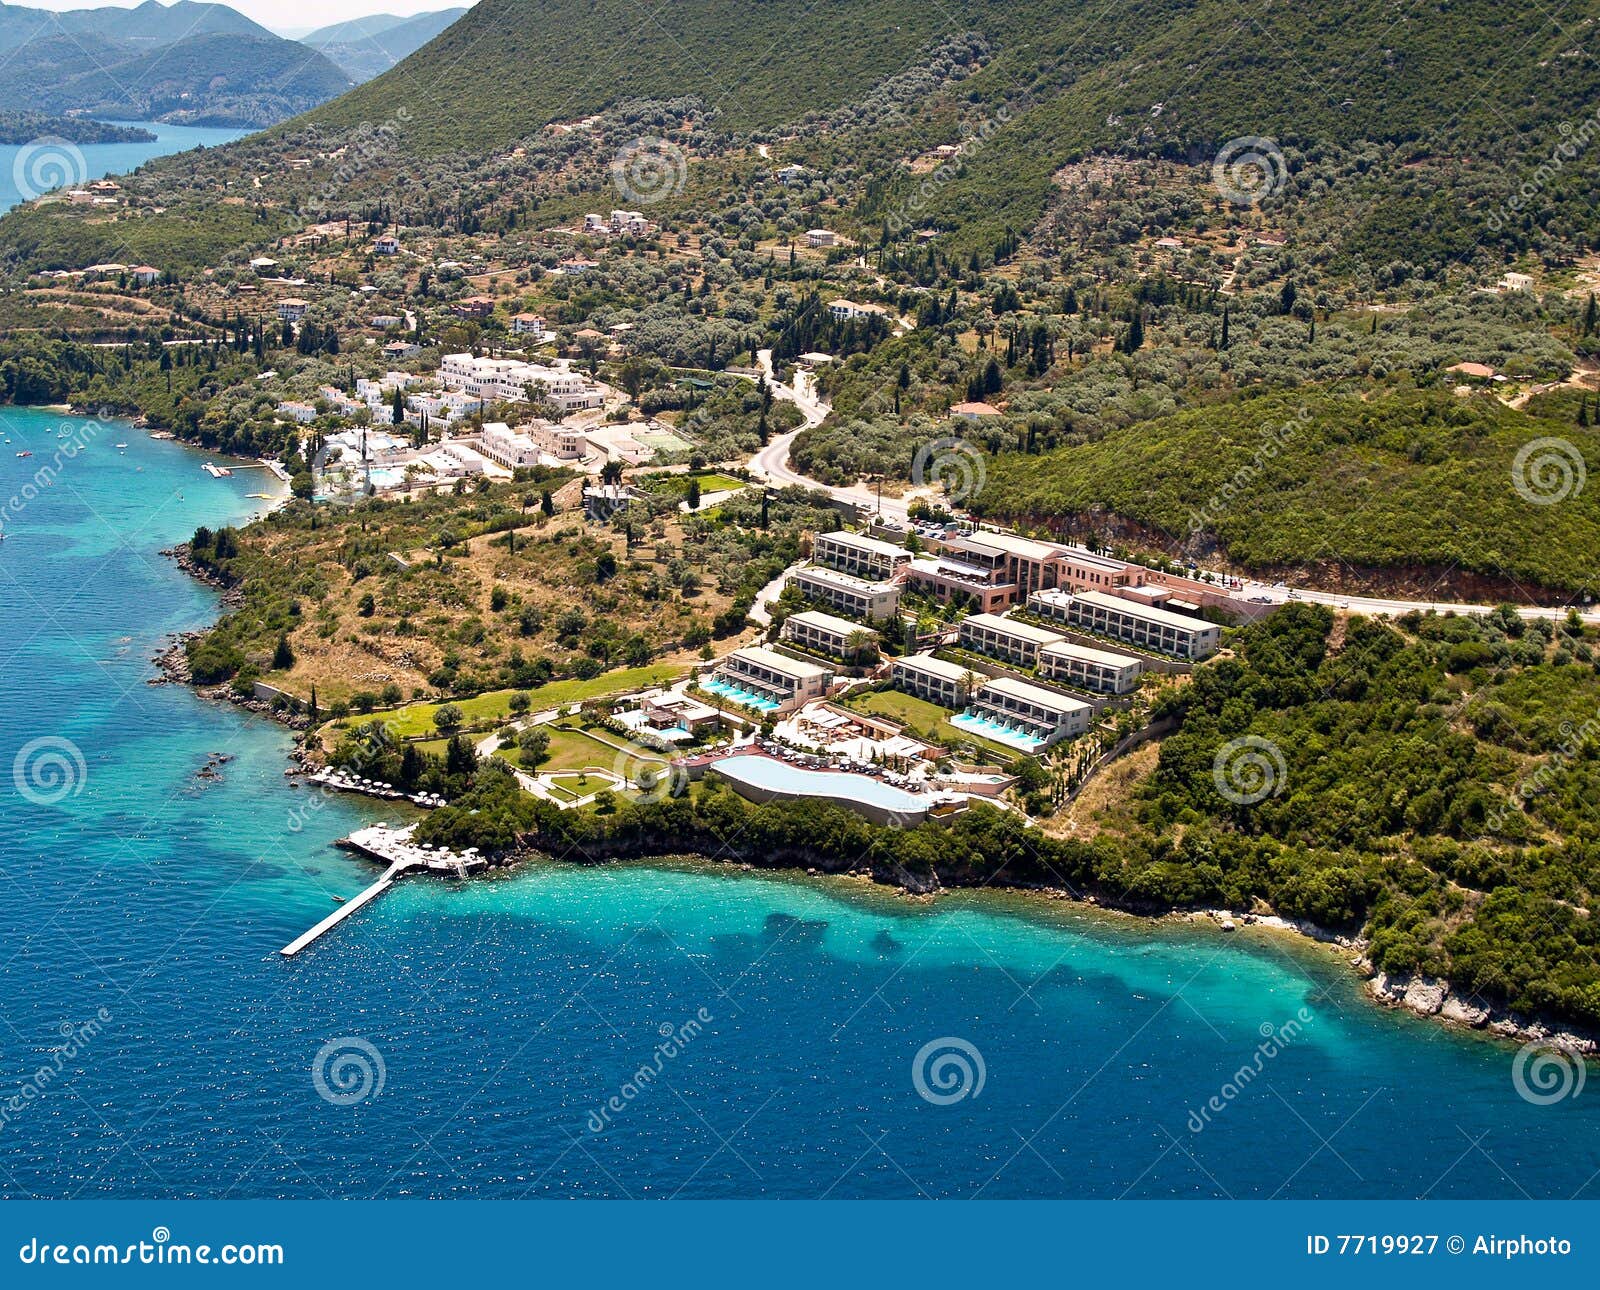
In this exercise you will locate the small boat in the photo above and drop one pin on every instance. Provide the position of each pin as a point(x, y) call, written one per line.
point(24, 454)
point(121, 446)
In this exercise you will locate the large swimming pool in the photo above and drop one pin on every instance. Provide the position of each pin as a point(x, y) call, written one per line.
point(773, 776)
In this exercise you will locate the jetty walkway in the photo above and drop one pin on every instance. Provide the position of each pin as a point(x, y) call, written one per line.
point(394, 847)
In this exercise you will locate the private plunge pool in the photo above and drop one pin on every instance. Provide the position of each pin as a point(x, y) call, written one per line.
point(766, 779)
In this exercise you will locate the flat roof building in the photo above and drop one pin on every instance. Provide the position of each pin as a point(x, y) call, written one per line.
point(831, 635)
point(1146, 626)
point(1025, 714)
point(946, 579)
point(874, 601)
point(856, 553)
point(1086, 668)
point(767, 680)
point(948, 684)
point(1006, 638)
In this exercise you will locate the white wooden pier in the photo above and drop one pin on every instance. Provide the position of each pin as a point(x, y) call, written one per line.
point(394, 846)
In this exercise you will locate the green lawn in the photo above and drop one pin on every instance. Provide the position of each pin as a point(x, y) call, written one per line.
point(575, 750)
point(711, 482)
point(488, 709)
point(925, 720)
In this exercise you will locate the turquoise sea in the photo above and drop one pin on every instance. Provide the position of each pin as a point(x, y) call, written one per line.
point(25, 166)
point(618, 1031)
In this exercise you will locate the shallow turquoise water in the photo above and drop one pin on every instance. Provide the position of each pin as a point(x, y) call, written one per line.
point(506, 1014)
point(57, 166)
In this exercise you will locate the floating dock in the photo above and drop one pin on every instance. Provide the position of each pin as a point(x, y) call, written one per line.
point(396, 847)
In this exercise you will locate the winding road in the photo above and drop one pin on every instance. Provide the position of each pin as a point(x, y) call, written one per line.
point(772, 465)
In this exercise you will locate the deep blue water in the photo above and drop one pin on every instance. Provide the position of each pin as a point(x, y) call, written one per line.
point(506, 1013)
point(44, 165)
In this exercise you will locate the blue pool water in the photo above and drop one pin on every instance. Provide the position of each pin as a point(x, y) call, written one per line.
point(989, 728)
point(738, 693)
point(23, 167)
point(508, 1017)
point(780, 776)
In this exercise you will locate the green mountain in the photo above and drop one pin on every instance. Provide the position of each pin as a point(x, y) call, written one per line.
point(1395, 135)
point(148, 24)
point(199, 64)
point(1361, 82)
point(365, 47)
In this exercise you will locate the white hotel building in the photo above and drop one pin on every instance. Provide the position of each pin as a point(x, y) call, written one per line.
point(1151, 628)
point(1080, 666)
point(1005, 638)
point(839, 637)
point(866, 557)
point(785, 681)
point(507, 380)
point(874, 601)
point(948, 684)
point(1042, 715)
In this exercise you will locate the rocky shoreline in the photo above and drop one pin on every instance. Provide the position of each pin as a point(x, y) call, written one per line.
point(1421, 995)
point(1427, 996)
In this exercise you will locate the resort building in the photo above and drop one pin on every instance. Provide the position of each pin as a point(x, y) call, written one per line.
point(875, 602)
point(509, 380)
point(528, 325)
point(1023, 716)
point(821, 237)
point(828, 634)
point(510, 448)
point(292, 310)
point(1082, 570)
point(303, 413)
point(866, 557)
point(676, 716)
point(947, 579)
point(1016, 642)
point(565, 443)
point(845, 310)
point(1098, 670)
point(1146, 626)
point(1028, 565)
point(767, 680)
point(948, 684)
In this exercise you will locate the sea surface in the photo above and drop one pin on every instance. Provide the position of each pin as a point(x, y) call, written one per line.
point(28, 169)
point(649, 1030)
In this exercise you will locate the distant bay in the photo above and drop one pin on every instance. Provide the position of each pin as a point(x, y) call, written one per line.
point(103, 159)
